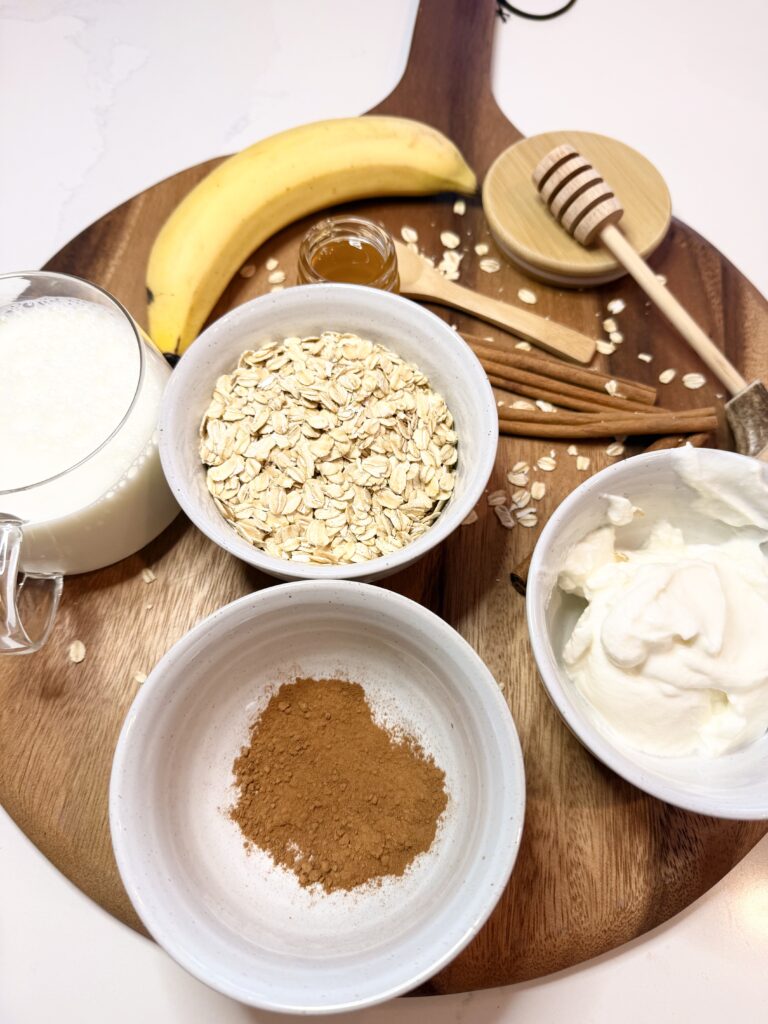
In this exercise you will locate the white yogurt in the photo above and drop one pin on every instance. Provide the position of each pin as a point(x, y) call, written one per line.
point(671, 649)
point(71, 371)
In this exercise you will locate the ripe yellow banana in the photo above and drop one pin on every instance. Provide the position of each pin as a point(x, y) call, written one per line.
point(255, 193)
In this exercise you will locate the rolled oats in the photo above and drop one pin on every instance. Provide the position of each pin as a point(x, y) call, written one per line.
point(504, 516)
point(76, 651)
point(538, 490)
point(497, 498)
point(328, 449)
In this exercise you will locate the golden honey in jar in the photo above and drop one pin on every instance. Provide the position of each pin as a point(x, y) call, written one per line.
point(349, 250)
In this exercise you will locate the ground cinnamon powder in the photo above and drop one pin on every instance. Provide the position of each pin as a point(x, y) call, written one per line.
point(330, 794)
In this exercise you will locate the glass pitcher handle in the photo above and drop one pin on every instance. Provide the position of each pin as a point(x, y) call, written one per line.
point(28, 601)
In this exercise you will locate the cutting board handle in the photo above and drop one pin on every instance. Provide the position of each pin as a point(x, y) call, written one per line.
point(447, 80)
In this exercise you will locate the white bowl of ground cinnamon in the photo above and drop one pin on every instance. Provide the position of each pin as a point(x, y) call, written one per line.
point(329, 431)
point(317, 797)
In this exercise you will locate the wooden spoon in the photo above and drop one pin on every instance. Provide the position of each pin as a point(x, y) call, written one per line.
point(418, 280)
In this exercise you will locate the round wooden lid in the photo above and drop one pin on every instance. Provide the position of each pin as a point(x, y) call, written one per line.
point(528, 234)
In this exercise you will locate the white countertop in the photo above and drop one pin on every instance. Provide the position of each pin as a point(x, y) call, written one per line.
point(101, 99)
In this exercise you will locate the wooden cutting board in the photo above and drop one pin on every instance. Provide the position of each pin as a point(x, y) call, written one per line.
point(600, 862)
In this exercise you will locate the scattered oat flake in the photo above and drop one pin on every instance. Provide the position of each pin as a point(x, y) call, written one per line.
point(582, 462)
point(139, 677)
point(520, 403)
point(471, 518)
point(538, 490)
point(614, 450)
point(518, 479)
point(490, 265)
point(572, 449)
point(694, 381)
point(612, 386)
point(526, 295)
point(147, 575)
point(497, 498)
point(605, 348)
point(520, 467)
point(546, 463)
point(276, 277)
point(409, 234)
point(460, 207)
point(504, 516)
point(528, 520)
point(609, 325)
point(482, 249)
point(521, 497)
point(616, 337)
point(248, 270)
point(271, 264)
point(450, 239)
point(616, 306)
point(545, 406)
point(645, 357)
point(524, 346)
point(76, 651)
point(661, 279)
point(666, 376)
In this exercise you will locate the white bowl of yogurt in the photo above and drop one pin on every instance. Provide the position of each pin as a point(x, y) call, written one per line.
point(647, 608)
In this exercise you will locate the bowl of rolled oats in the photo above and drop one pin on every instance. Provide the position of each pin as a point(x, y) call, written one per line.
point(329, 431)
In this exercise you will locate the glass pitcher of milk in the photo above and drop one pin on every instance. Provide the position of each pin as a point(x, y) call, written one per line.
point(80, 479)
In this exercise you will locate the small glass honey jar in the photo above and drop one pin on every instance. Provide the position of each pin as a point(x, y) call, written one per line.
point(350, 250)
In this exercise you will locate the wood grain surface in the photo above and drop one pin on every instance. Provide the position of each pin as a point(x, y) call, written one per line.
point(600, 862)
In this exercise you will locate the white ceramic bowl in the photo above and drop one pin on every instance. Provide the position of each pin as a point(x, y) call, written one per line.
point(235, 921)
point(408, 329)
point(732, 786)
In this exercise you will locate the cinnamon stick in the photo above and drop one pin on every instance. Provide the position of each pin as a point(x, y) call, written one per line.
point(525, 423)
point(558, 392)
point(556, 369)
point(549, 391)
point(519, 575)
point(677, 441)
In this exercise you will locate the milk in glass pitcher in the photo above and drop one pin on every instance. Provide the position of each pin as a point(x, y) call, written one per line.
point(80, 479)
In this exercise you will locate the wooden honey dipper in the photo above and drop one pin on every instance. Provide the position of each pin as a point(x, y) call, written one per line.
point(586, 207)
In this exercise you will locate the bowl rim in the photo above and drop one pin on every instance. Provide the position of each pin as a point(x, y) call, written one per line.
point(510, 824)
point(477, 384)
point(556, 684)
